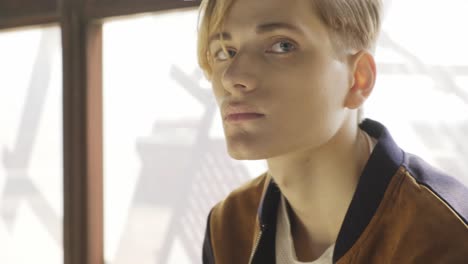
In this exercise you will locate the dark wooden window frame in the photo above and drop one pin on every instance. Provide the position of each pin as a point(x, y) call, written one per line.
point(81, 27)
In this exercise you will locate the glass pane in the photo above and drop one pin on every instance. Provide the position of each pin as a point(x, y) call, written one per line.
point(31, 169)
point(421, 92)
point(165, 161)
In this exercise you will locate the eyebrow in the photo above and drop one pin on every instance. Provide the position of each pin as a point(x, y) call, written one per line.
point(260, 29)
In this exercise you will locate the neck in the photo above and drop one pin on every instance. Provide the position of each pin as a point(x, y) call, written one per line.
point(319, 183)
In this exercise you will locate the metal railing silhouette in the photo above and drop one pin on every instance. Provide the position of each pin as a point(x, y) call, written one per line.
point(19, 186)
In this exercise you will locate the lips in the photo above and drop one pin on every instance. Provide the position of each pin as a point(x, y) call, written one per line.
point(243, 117)
point(238, 112)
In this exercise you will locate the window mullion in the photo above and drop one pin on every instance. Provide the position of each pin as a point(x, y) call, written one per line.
point(82, 106)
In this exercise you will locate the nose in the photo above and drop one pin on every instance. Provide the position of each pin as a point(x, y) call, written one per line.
point(239, 77)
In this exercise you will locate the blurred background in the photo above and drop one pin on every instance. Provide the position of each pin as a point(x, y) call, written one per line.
point(164, 158)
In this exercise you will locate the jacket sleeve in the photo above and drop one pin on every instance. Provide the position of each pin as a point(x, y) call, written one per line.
point(207, 255)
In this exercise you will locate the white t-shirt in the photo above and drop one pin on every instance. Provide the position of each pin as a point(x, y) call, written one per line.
point(285, 251)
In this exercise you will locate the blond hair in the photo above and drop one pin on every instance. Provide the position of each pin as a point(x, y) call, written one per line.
point(352, 24)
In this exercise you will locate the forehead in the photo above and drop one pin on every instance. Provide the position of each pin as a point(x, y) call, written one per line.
point(248, 11)
point(248, 14)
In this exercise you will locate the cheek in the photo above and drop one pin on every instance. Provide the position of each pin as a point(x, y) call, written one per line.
point(313, 94)
point(217, 89)
point(328, 84)
point(307, 88)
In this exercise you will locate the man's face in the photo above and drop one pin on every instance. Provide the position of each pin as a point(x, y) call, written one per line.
point(290, 76)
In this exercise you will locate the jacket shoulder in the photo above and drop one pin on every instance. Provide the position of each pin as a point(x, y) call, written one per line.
point(430, 215)
point(420, 219)
point(243, 200)
point(232, 222)
point(444, 189)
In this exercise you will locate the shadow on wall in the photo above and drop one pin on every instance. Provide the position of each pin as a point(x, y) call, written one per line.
point(16, 161)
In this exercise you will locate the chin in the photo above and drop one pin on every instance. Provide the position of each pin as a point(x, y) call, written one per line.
point(245, 154)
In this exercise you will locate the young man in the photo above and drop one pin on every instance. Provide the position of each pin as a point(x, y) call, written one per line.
point(290, 77)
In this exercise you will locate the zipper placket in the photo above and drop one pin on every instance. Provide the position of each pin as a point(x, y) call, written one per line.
point(257, 241)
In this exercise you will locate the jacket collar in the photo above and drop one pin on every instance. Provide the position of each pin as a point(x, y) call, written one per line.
point(383, 163)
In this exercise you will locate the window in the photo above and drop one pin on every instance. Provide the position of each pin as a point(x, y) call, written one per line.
point(421, 92)
point(31, 168)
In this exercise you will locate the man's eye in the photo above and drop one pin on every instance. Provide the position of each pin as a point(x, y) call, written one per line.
point(284, 45)
point(221, 55)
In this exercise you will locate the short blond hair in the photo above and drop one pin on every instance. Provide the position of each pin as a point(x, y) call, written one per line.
point(352, 24)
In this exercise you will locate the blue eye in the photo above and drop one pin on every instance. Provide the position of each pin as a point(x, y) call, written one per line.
point(284, 46)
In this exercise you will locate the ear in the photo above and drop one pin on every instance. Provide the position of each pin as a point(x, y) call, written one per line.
point(362, 79)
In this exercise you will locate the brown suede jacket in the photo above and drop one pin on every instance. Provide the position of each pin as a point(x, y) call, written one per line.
point(403, 211)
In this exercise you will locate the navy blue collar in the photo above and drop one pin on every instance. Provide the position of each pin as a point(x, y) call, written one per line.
point(375, 178)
